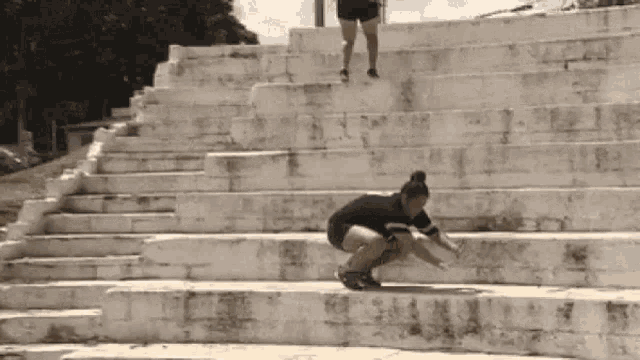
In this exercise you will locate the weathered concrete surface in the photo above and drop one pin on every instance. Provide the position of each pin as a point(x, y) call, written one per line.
point(531, 209)
point(153, 183)
point(266, 352)
point(588, 323)
point(82, 245)
point(178, 52)
point(57, 295)
point(195, 97)
point(56, 269)
point(172, 121)
point(617, 84)
point(120, 203)
point(521, 125)
point(611, 20)
point(111, 223)
point(201, 144)
point(598, 50)
point(553, 259)
point(48, 326)
point(556, 259)
point(481, 166)
point(119, 163)
point(231, 73)
point(594, 50)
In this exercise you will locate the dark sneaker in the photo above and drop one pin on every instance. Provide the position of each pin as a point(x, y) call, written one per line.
point(350, 279)
point(344, 75)
point(373, 73)
point(368, 280)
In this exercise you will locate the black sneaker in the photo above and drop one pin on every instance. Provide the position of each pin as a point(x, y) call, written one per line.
point(373, 73)
point(344, 75)
point(368, 280)
point(350, 279)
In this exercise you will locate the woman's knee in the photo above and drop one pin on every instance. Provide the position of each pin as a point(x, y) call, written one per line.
point(358, 236)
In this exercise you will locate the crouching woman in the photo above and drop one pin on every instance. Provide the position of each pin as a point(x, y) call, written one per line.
point(376, 230)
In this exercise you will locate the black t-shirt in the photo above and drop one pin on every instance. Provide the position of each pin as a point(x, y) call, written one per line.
point(382, 213)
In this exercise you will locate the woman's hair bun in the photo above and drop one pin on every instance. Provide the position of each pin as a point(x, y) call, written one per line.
point(419, 176)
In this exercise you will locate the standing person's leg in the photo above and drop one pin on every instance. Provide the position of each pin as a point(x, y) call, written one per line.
point(349, 31)
point(370, 29)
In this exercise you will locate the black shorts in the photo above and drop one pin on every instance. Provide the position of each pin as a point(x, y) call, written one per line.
point(336, 233)
point(353, 10)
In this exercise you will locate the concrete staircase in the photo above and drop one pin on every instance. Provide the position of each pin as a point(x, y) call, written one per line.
point(203, 221)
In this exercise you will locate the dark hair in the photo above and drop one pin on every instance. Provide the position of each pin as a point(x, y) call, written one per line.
point(416, 186)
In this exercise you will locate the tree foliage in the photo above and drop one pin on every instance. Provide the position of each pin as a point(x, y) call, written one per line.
point(79, 55)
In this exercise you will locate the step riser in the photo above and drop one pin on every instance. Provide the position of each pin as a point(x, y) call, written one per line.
point(53, 297)
point(109, 224)
point(144, 146)
point(35, 330)
point(75, 271)
point(196, 97)
point(586, 165)
point(173, 183)
point(111, 204)
point(83, 247)
point(136, 163)
point(218, 73)
point(481, 31)
point(423, 93)
point(418, 320)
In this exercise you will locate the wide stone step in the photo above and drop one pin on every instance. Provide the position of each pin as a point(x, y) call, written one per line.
point(110, 223)
point(223, 97)
point(49, 326)
point(120, 163)
point(449, 33)
point(593, 50)
point(617, 84)
point(521, 125)
point(172, 120)
point(153, 183)
point(596, 50)
point(56, 295)
point(529, 209)
point(268, 352)
point(221, 72)
point(179, 52)
point(583, 323)
point(483, 166)
point(146, 145)
point(41, 351)
point(120, 203)
point(78, 268)
point(83, 245)
point(553, 259)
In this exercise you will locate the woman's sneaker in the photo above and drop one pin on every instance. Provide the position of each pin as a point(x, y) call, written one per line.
point(350, 279)
point(368, 280)
point(344, 75)
point(373, 73)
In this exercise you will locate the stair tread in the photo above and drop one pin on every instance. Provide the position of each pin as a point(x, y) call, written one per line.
point(243, 351)
point(12, 314)
point(513, 291)
point(89, 259)
point(585, 235)
point(478, 290)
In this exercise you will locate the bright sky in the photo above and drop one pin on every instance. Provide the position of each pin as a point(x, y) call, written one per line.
point(272, 23)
